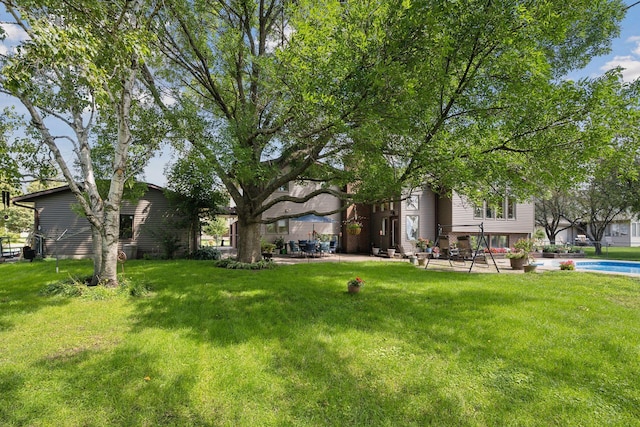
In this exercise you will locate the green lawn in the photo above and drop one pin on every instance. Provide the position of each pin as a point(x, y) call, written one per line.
point(290, 347)
point(615, 252)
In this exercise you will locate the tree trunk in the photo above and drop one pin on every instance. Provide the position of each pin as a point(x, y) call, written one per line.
point(96, 244)
point(110, 247)
point(598, 247)
point(248, 240)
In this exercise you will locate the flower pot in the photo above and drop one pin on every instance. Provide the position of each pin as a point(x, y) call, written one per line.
point(375, 251)
point(517, 263)
point(530, 268)
point(422, 261)
point(353, 289)
point(354, 230)
point(414, 260)
point(391, 252)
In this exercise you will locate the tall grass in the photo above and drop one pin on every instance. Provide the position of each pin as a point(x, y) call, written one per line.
point(290, 347)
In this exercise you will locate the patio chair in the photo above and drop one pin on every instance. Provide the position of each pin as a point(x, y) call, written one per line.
point(332, 246)
point(294, 249)
point(324, 248)
point(311, 248)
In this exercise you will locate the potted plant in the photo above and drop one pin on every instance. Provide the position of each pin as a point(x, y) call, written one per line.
point(521, 253)
point(567, 265)
point(423, 244)
point(354, 228)
point(354, 285)
point(436, 252)
point(280, 245)
point(391, 252)
point(267, 249)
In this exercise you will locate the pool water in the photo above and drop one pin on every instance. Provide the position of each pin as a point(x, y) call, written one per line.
point(628, 267)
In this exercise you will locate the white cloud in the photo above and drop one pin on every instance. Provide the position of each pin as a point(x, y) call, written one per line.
point(13, 32)
point(13, 36)
point(629, 63)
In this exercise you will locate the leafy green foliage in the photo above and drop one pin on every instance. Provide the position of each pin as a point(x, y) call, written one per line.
point(206, 254)
point(384, 95)
point(232, 264)
point(78, 287)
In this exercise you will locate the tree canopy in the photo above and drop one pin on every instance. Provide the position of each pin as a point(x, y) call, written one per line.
point(379, 94)
point(385, 94)
point(78, 66)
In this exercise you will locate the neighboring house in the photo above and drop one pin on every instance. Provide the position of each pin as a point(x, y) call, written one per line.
point(61, 231)
point(398, 224)
point(623, 231)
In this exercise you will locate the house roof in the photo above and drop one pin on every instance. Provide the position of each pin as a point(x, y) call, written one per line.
point(32, 197)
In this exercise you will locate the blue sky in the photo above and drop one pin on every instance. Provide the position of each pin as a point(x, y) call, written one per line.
point(625, 50)
point(625, 53)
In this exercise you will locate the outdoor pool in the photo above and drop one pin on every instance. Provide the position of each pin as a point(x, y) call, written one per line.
point(628, 267)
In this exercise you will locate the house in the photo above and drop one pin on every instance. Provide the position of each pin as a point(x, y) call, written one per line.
point(61, 231)
point(623, 231)
point(294, 229)
point(422, 213)
point(399, 223)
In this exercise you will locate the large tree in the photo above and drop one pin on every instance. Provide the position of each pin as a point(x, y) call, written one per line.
point(78, 67)
point(383, 94)
point(557, 211)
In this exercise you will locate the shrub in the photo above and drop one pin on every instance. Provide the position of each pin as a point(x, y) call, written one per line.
point(232, 264)
point(206, 254)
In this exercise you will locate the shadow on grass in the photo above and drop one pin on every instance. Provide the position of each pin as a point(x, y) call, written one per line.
point(17, 298)
point(413, 348)
point(397, 305)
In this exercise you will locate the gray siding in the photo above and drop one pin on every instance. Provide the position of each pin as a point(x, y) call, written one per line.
point(153, 219)
point(463, 213)
point(302, 230)
point(66, 233)
point(426, 212)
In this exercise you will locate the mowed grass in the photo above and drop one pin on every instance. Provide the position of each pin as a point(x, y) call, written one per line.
point(621, 253)
point(290, 347)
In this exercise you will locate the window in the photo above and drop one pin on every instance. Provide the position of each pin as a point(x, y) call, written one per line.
point(279, 227)
point(498, 241)
point(126, 226)
point(617, 229)
point(489, 212)
point(412, 227)
point(384, 226)
point(500, 211)
point(635, 229)
point(505, 209)
point(477, 211)
point(511, 209)
point(413, 202)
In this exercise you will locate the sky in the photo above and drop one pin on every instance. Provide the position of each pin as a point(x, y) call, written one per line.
point(625, 53)
point(625, 50)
